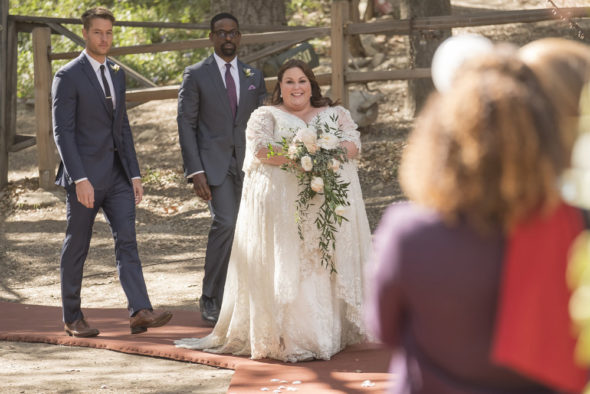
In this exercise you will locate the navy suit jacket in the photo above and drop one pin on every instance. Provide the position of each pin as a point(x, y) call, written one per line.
point(85, 132)
point(208, 133)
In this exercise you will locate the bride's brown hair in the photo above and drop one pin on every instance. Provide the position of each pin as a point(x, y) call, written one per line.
point(316, 99)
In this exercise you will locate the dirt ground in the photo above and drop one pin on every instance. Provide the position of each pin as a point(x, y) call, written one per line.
point(172, 229)
point(39, 368)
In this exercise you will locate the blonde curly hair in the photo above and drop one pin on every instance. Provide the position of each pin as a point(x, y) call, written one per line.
point(487, 151)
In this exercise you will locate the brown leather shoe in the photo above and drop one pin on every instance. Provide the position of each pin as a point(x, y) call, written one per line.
point(145, 319)
point(80, 328)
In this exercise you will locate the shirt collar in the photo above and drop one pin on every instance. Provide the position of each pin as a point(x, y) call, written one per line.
point(93, 62)
point(221, 63)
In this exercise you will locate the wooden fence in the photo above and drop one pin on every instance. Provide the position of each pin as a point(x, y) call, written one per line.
point(281, 38)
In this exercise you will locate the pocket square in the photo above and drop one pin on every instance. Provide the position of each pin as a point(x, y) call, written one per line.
point(251, 87)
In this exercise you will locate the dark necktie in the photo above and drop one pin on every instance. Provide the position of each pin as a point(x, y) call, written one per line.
point(231, 90)
point(107, 90)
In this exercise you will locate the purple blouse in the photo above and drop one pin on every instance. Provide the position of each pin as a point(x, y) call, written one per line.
point(432, 295)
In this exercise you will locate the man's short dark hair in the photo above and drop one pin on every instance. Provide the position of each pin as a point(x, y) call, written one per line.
point(97, 12)
point(223, 15)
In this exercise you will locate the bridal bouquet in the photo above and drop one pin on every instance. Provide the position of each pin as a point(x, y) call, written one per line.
point(316, 156)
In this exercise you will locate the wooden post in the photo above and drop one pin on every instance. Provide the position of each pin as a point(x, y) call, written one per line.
point(339, 50)
point(421, 48)
point(356, 47)
point(4, 6)
point(45, 145)
point(11, 84)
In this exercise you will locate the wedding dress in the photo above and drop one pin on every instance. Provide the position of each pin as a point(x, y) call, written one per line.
point(279, 302)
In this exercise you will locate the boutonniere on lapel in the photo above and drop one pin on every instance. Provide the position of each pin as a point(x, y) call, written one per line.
point(248, 72)
point(115, 67)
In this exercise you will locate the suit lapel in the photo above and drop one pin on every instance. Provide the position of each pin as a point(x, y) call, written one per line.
point(244, 83)
point(89, 71)
point(215, 74)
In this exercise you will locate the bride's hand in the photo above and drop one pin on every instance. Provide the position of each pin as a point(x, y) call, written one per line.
point(350, 148)
point(276, 160)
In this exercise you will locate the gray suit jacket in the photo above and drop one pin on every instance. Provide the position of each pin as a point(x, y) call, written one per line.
point(208, 133)
point(85, 132)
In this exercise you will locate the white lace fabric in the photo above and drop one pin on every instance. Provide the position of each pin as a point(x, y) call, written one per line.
point(279, 302)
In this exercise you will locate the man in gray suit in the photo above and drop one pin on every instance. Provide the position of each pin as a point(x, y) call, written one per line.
point(98, 169)
point(215, 101)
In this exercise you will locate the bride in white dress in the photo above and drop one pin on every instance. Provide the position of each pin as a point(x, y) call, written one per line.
point(279, 301)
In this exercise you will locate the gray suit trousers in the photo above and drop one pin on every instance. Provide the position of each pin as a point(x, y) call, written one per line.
point(224, 206)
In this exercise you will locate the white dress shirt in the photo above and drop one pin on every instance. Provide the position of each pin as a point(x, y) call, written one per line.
point(233, 70)
point(96, 67)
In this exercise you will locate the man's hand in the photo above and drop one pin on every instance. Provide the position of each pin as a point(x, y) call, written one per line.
point(137, 190)
point(85, 193)
point(201, 186)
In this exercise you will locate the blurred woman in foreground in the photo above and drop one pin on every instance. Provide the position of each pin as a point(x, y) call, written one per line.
point(455, 267)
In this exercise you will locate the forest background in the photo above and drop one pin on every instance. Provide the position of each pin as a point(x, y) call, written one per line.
point(163, 68)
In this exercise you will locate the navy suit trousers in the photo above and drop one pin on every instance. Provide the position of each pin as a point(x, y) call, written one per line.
point(118, 205)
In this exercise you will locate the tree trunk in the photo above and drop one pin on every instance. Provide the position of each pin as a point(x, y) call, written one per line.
point(3, 93)
point(356, 48)
point(369, 11)
point(252, 12)
point(262, 12)
point(422, 45)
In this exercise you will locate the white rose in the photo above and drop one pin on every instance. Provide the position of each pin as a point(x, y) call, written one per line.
point(335, 165)
point(292, 152)
point(328, 141)
point(340, 210)
point(311, 147)
point(306, 163)
point(307, 135)
point(317, 184)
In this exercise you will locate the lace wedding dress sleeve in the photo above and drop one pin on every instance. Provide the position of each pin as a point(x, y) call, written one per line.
point(348, 126)
point(259, 133)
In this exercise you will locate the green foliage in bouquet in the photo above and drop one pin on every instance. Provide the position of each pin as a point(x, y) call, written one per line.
point(316, 157)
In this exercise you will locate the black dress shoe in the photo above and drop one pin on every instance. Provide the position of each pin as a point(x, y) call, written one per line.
point(209, 309)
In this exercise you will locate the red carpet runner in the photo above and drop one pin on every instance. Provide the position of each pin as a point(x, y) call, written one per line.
point(358, 369)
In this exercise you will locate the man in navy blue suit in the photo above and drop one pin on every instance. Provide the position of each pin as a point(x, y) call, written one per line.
point(98, 169)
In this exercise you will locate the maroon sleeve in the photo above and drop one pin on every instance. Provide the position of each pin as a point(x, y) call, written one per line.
point(385, 297)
